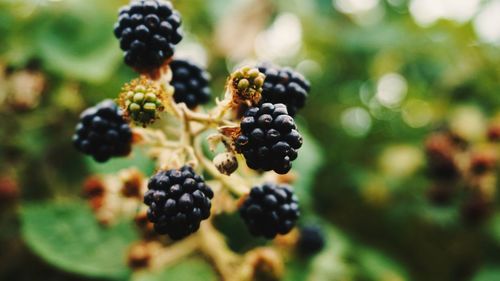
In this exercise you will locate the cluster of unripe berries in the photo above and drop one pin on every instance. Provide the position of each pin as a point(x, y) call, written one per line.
point(142, 101)
point(265, 98)
point(247, 85)
point(458, 166)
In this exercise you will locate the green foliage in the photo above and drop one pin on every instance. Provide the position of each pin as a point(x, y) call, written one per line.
point(192, 269)
point(67, 235)
point(306, 166)
point(339, 173)
point(138, 158)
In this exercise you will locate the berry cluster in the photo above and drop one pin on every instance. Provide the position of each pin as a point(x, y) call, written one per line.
point(190, 82)
point(102, 132)
point(311, 240)
point(284, 85)
point(142, 100)
point(270, 209)
point(148, 31)
point(178, 201)
point(269, 139)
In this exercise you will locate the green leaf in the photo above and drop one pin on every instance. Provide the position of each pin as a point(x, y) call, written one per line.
point(76, 41)
point(67, 235)
point(193, 269)
point(487, 273)
point(306, 166)
point(137, 158)
point(493, 228)
point(376, 266)
point(328, 265)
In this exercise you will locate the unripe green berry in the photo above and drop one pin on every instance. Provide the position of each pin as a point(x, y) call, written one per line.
point(245, 69)
point(140, 89)
point(134, 107)
point(243, 84)
point(149, 106)
point(253, 73)
point(150, 97)
point(138, 97)
point(258, 82)
point(238, 75)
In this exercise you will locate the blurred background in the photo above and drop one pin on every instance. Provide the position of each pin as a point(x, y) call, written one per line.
point(404, 117)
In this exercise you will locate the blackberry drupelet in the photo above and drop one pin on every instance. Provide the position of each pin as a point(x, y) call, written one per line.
point(102, 132)
point(148, 31)
point(190, 82)
point(178, 201)
point(284, 85)
point(270, 209)
point(311, 240)
point(269, 139)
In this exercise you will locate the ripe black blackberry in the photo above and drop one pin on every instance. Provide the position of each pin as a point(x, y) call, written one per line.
point(311, 240)
point(102, 132)
point(269, 139)
point(178, 201)
point(190, 82)
point(148, 31)
point(270, 209)
point(284, 85)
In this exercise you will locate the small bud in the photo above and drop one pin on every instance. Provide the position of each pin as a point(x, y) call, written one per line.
point(134, 107)
point(483, 161)
point(149, 106)
point(139, 256)
point(93, 187)
point(150, 97)
point(226, 163)
point(9, 190)
point(243, 84)
point(259, 81)
point(265, 263)
point(140, 89)
point(253, 73)
point(494, 133)
point(132, 181)
point(138, 97)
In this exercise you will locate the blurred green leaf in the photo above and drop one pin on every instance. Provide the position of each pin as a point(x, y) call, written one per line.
point(137, 158)
point(193, 269)
point(306, 166)
point(488, 273)
point(376, 266)
point(328, 265)
point(72, 42)
point(494, 228)
point(67, 235)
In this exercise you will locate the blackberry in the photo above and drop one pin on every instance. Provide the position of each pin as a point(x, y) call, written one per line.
point(284, 85)
point(190, 82)
point(102, 132)
point(178, 201)
point(311, 240)
point(148, 31)
point(269, 139)
point(270, 209)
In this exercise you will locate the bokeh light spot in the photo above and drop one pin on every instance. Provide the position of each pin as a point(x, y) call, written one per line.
point(356, 121)
point(391, 90)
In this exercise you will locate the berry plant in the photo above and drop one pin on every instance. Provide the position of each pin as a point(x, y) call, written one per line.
point(233, 158)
